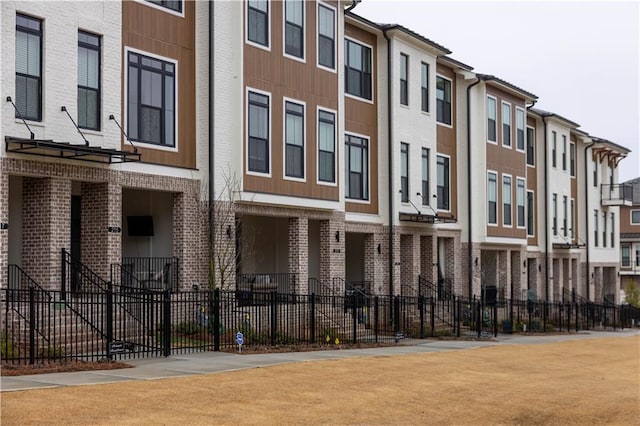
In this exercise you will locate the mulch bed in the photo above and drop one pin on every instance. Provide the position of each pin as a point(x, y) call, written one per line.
point(59, 367)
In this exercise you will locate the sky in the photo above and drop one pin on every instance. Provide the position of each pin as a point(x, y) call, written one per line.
point(581, 58)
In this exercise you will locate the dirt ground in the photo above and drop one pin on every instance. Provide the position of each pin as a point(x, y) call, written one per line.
point(585, 382)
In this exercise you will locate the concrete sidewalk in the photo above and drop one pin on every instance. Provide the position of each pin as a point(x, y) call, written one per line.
point(215, 362)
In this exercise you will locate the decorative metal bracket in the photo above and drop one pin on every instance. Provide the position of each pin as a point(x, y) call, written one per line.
point(21, 117)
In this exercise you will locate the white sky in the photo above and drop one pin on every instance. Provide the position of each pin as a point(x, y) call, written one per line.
point(581, 58)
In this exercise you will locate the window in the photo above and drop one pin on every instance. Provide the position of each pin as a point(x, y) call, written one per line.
point(258, 129)
point(626, 256)
point(443, 182)
point(175, 5)
point(595, 173)
point(404, 76)
point(604, 229)
point(635, 217)
point(530, 213)
point(294, 140)
point(531, 147)
point(506, 200)
point(595, 228)
point(492, 198)
point(506, 124)
point(555, 214)
point(491, 119)
point(424, 86)
point(294, 28)
point(326, 146)
point(554, 149)
point(564, 216)
point(326, 37)
point(425, 177)
point(572, 212)
point(564, 153)
point(404, 172)
point(88, 81)
point(357, 69)
point(613, 230)
point(151, 100)
point(357, 161)
point(572, 159)
point(443, 100)
point(520, 200)
point(28, 67)
point(519, 129)
point(258, 22)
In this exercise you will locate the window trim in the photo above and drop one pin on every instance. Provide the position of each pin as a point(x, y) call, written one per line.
point(604, 229)
point(40, 34)
point(284, 139)
point(495, 121)
point(533, 146)
point(164, 8)
point(631, 222)
point(595, 227)
point(502, 122)
point(425, 88)
point(448, 157)
point(572, 159)
point(524, 202)
point(554, 213)
point(495, 175)
point(572, 217)
point(624, 246)
point(349, 95)
point(99, 90)
point(564, 153)
point(335, 44)
point(302, 59)
point(404, 154)
point(176, 111)
point(346, 162)
point(504, 224)
point(404, 58)
point(524, 129)
point(451, 101)
point(335, 146)
point(565, 216)
point(425, 197)
point(529, 219)
point(270, 132)
point(612, 234)
point(246, 29)
point(554, 149)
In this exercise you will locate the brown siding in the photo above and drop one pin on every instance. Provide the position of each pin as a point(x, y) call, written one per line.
point(361, 117)
point(507, 160)
point(625, 220)
point(532, 181)
point(283, 77)
point(446, 140)
point(162, 33)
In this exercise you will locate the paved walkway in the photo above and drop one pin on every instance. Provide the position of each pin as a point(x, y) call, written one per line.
point(214, 362)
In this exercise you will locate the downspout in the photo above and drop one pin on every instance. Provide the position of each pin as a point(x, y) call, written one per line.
point(212, 192)
point(546, 211)
point(390, 161)
point(469, 249)
point(586, 217)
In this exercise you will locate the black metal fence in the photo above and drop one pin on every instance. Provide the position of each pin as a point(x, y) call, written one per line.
point(129, 322)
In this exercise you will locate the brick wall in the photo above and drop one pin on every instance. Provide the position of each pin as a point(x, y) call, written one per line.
point(94, 201)
point(299, 252)
point(4, 233)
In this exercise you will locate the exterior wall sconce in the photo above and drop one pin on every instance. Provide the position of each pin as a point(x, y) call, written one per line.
point(229, 231)
point(476, 261)
point(539, 268)
point(524, 263)
point(337, 236)
point(380, 251)
point(4, 225)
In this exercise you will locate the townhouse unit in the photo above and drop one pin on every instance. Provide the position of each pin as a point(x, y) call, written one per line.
point(630, 235)
point(290, 146)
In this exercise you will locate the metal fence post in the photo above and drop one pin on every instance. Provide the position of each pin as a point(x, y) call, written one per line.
point(495, 320)
point(421, 310)
point(109, 319)
point(32, 322)
point(216, 319)
point(274, 317)
point(312, 298)
point(63, 285)
point(433, 326)
point(166, 320)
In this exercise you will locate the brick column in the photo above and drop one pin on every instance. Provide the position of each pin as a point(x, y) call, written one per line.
point(94, 231)
point(186, 225)
point(370, 257)
point(114, 221)
point(332, 251)
point(299, 253)
point(4, 233)
point(46, 228)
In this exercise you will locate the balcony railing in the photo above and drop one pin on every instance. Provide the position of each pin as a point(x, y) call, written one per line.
point(617, 194)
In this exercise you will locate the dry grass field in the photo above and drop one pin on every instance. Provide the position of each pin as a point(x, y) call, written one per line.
point(584, 382)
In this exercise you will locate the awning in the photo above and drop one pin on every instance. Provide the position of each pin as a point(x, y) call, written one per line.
point(425, 218)
point(50, 148)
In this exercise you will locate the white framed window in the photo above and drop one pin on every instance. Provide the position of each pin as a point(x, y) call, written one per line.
point(604, 229)
point(564, 153)
point(565, 217)
point(258, 132)
point(572, 217)
point(294, 139)
point(492, 198)
point(554, 149)
point(520, 202)
point(404, 172)
point(89, 93)
point(258, 29)
point(443, 184)
point(520, 129)
point(506, 201)
point(174, 7)
point(596, 219)
point(506, 124)
point(530, 213)
point(294, 29)
point(531, 146)
point(635, 217)
point(424, 86)
point(625, 255)
point(404, 79)
point(358, 69)
point(326, 146)
point(572, 159)
point(425, 177)
point(443, 100)
point(613, 229)
point(28, 67)
point(152, 89)
point(357, 167)
point(595, 172)
point(492, 125)
point(554, 207)
point(326, 37)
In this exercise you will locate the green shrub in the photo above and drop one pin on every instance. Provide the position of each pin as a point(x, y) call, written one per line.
point(6, 345)
point(188, 328)
point(51, 352)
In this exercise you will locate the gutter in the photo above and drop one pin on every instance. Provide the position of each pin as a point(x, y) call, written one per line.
point(586, 218)
point(390, 162)
point(212, 192)
point(469, 248)
point(546, 209)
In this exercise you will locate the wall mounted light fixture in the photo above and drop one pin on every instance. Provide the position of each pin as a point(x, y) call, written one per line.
point(337, 236)
point(379, 249)
point(229, 231)
point(524, 262)
point(476, 261)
